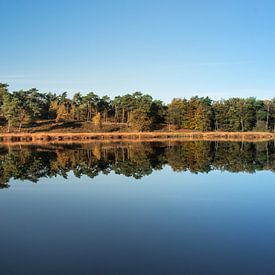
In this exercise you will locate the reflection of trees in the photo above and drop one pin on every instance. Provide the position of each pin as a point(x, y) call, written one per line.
point(194, 156)
point(136, 160)
point(246, 157)
point(235, 157)
point(133, 159)
point(25, 164)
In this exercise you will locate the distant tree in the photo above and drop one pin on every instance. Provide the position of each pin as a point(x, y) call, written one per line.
point(91, 101)
point(197, 113)
point(105, 107)
point(202, 116)
point(65, 111)
point(272, 115)
point(268, 104)
point(10, 109)
point(140, 120)
point(158, 111)
point(3, 91)
point(97, 120)
point(220, 115)
point(22, 106)
point(261, 115)
point(176, 112)
point(77, 104)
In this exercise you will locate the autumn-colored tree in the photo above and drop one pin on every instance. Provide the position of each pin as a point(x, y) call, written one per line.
point(97, 120)
point(65, 111)
point(197, 113)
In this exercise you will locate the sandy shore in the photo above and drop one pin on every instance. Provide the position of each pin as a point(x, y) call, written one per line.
point(43, 137)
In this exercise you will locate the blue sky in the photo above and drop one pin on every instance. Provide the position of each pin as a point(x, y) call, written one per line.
point(165, 48)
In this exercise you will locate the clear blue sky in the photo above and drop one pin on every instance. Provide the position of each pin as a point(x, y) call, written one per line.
point(166, 48)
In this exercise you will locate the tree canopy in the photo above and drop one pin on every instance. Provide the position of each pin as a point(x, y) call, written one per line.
point(137, 111)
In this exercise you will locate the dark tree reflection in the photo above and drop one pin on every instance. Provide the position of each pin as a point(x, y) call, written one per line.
point(133, 159)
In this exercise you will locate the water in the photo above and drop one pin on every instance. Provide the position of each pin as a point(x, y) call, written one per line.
point(132, 208)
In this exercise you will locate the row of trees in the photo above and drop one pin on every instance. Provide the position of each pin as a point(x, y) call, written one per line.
point(136, 110)
point(234, 114)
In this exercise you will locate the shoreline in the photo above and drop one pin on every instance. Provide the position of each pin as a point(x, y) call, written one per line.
point(52, 138)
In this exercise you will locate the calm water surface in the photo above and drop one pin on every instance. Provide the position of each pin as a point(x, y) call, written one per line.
point(138, 208)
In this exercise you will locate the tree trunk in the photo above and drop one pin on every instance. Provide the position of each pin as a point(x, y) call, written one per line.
point(115, 113)
point(267, 118)
point(242, 125)
point(123, 114)
point(106, 116)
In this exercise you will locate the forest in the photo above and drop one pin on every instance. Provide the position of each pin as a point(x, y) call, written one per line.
point(30, 109)
point(133, 159)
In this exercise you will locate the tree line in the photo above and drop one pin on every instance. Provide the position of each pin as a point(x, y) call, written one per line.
point(137, 111)
point(134, 159)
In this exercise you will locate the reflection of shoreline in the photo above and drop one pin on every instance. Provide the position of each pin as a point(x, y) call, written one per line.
point(72, 138)
point(114, 142)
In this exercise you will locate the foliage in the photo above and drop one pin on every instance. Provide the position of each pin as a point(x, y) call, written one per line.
point(138, 111)
point(140, 120)
point(97, 120)
point(3, 91)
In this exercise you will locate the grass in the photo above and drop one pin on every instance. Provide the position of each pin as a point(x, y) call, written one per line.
point(74, 132)
point(48, 137)
point(64, 127)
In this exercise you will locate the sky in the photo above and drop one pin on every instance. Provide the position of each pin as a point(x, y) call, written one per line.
point(166, 48)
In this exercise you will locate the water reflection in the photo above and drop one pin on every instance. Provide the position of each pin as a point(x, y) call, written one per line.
point(133, 159)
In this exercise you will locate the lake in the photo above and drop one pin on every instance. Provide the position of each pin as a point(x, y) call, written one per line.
point(176, 207)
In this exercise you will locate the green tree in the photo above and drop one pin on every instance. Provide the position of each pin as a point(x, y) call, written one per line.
point(3, 91)
point(22, 106)
point(77, 103)
point(176, 112)
point(140, 120)
point(11, 108)
point(91, 101)
point(105, 107)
